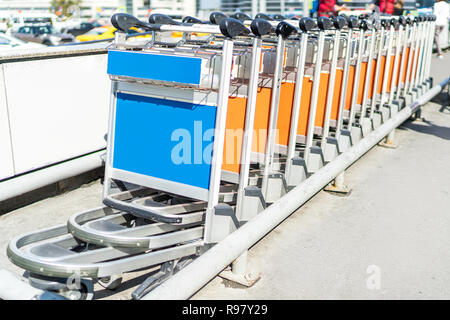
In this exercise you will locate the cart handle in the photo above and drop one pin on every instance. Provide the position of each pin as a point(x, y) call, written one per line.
point(353, 23)
point(279, 17)
point(190, 19)
point(231, 28)
point(285, 29)
point(240, 16)
point(263, 16)
point(216, 17)
point(123, 22)
point(261, 27)
point(158, 18)
point(339, 22)
point(307, 24)
point(324, 23)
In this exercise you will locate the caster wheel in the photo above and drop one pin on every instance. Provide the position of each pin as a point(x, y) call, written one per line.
point(85, 292)
point(111, 282)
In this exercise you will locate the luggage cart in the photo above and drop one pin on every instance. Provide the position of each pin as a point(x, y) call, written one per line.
point(331, 90)
point(169, 220)
point(358, 70)
point(394, 81)
point(287, 98)
point(365, 120)
point(292, 95)
point(269, 175)
point(404, 61)
point(343, 135)
point(377, 112)
point(313, 98)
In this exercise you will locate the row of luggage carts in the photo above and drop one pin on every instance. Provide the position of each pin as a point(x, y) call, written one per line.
point(207, 130)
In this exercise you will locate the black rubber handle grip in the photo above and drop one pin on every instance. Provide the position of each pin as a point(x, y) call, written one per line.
point(240, 16)
point(216, 17)
point(231, 28)
point(306, 24)
point(278, 17)
point(352, 22)
point(402, 20)
point(285, 29)
point(394, 22)
point(339, 22)
point(365, 25)
point(124, 21)
point(263, 16)
point(261, 27)
point(324, 23)
point(189, 19)
point(158, 18)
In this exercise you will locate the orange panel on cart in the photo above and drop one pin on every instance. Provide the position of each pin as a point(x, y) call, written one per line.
point(337, 94)
point(405, 71)
point(391, 73)
point(284, 112)
point(362, 81)
point(381, 74)
point(322, 99)
point(398, 68)
point(234, 133)
point(348, 94)
point(263, 98)
point(372, 79)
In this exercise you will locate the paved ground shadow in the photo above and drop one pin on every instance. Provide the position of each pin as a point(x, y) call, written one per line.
point(427, 127)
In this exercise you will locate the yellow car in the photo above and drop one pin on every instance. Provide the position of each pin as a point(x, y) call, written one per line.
point(101, 33)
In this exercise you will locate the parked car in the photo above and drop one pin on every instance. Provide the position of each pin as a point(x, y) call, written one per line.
point(9, 42)
point(44, 34)
point(26, 18)
point(102, 33)
point(83, 28)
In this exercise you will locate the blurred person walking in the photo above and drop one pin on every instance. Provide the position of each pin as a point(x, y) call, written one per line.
point(442, 11)
point(329, 8)
point(398, 7)
point(386, 6)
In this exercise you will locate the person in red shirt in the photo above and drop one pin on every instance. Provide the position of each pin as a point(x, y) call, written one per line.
point(329, 8)
point(387, 6)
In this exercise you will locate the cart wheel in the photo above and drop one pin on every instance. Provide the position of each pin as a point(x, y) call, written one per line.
point(111, 282)
point(86, 291)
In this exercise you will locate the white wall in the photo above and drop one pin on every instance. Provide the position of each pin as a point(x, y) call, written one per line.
point(58, 109)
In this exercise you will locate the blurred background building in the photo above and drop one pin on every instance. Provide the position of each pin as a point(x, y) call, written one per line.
point(90, 9)
point(269, 6)
point(101, 8)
